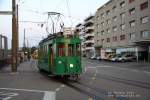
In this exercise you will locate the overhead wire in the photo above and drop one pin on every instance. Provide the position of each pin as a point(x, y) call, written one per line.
point(69, 12)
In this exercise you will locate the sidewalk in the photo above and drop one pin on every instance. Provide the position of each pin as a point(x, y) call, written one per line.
point(27, 83)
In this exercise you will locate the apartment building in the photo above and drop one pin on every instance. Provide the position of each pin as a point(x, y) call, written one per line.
point(89, 36)
point(86, 33)
point(79, 31)
point(123, 26)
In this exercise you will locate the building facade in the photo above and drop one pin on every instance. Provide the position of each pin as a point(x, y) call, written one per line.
point(89, 36)
point(86, 34)
point(123, 26)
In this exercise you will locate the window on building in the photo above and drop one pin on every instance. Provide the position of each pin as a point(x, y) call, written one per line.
point(122, 26)
point(132, 36)
point(144, 5)
point(115, 18)
point(132, 23)
point(108, 12)
point(130, 1)
point(108, 31)
point(144, 19)
point(114, 8)
point(115, 28)
point(102, 23)
point(122, 15)
point(131, 11)
point(145, 34)
point(102, 32)
point(108, 21)
point(108, 40)
point(102, 40)
point(115, 38)
point(122, 4)
point(122, 37)
point(102, 15)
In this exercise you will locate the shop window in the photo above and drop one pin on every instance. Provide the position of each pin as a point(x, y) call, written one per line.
point(144, 5)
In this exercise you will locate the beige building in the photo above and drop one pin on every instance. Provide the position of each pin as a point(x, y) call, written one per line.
point(123, 26)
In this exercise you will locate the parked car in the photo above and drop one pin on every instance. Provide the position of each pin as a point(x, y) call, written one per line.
point(115, 58)
point(127, 57)
point(98, 57)
point(93, 58)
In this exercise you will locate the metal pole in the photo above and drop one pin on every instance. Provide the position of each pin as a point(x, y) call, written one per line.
point(14, 37)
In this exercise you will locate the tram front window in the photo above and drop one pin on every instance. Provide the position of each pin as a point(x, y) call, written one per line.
point(70, 50)
point(78, 50)
point(61, 50)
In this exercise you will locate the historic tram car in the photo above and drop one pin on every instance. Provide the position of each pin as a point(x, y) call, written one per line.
point(3, 50)
point(60, 55)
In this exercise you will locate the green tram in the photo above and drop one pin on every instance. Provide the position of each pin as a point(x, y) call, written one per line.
point(60, 56)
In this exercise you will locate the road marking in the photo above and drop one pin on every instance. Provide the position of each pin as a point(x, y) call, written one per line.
point(8, 96)
point(93, 78)
point(146, 72)
point(62, 85)
point(48, 95)
point(103, 66)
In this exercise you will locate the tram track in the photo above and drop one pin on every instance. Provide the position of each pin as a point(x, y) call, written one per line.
point(122, 80)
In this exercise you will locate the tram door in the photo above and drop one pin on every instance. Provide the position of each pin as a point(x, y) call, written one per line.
point(51, 55)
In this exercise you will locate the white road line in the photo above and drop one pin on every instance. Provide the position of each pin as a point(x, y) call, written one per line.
point(146, 72)
point(49, 95)
point(103, 66)
point(22, 90)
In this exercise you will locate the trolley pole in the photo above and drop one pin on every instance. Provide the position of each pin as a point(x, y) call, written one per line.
point(14, 37)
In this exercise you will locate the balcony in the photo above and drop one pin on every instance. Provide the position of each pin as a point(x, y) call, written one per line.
point(89, 41)
point(89, 35)
point(89, 48)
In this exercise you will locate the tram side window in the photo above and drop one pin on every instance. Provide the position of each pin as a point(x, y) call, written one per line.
point(61, 50)
point(78, 49)
point(70, 50)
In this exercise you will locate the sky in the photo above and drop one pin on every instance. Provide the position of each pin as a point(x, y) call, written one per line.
point(74, 12)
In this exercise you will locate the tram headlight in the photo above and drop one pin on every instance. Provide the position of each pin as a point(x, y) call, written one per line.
point(71, 65)
point(59, 62)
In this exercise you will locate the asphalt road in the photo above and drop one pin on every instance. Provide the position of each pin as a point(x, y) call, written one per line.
point(100, 81)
